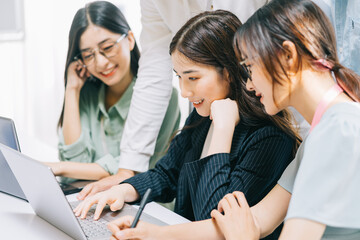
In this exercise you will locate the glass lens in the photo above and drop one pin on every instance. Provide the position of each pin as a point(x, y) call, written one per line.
point(87, 57)
point(109, 49)
point(246, 72)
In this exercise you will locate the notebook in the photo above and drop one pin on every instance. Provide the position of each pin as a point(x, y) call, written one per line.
point(8, 183)
point(48, 201)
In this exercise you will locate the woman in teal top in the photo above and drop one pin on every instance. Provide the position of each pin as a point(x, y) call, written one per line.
point(100, 73)
point(288, 48)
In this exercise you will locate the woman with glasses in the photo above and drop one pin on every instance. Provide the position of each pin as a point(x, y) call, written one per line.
point(228, 143)
point(289, 49)
point(100, 72)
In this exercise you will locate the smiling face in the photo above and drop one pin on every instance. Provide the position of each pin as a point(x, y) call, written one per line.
point(111, 71)
point(199, 83)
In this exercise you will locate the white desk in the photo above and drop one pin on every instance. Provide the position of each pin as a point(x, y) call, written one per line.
point(18, 220)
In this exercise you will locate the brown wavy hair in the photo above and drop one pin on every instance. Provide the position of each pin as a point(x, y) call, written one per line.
point(207, 39)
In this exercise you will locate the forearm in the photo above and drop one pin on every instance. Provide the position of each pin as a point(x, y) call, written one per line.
point(91, 171)
point(271, 211)
point(221, 140)
point(146, 114)
point(124, 174)
point(152, 89)
point(302, 229)
point(217, 181)
point(161, 185)
point(71, 123)
point(130, 193)
point(163, 179)
point(206, 229)
point(266, 224)
point(87, 171)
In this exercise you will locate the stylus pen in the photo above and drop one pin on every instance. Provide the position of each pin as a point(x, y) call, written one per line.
point(141, 207)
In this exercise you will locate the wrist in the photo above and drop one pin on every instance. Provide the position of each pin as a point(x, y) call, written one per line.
point(223, 134)
point(58, 168)
point(224, 126)
point(130, 193)
point(72, 91)
point(221, 140)
point(123, 174)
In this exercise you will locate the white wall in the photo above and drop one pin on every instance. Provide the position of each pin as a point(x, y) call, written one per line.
point(31, 71)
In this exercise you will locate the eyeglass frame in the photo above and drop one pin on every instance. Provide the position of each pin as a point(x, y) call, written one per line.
point(246, 68)
point(80, 60)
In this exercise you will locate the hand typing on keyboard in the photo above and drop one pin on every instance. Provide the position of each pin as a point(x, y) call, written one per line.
point(115, 197)
point(91, 228)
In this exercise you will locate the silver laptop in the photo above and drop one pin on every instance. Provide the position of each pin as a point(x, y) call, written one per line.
point(48, 201)
point(8, 183)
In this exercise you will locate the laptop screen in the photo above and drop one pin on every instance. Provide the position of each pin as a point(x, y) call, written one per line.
point(8, 135)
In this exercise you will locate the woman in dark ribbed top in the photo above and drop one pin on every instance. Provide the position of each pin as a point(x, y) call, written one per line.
point(228, 143)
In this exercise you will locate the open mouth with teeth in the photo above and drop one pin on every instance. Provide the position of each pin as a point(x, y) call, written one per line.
point(198, 102)
point(109, 72)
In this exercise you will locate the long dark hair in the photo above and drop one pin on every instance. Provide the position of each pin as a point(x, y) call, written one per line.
point(304, 24)
point(207, 39)
point(103, 14)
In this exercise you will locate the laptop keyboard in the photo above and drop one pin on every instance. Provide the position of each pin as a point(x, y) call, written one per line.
point(91, 228)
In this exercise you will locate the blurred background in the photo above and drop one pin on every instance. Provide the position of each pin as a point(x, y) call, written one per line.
point(33, 47)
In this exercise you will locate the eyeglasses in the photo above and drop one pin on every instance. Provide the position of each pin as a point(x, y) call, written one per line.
point(108, 49)
point(247, 70)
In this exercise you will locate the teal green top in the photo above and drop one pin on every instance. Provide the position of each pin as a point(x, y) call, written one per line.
point(101, 130)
